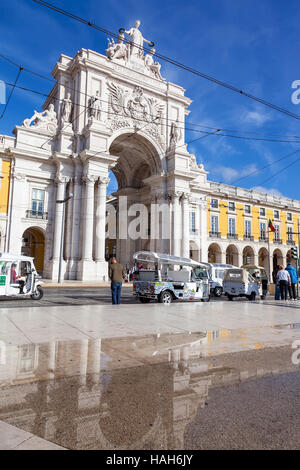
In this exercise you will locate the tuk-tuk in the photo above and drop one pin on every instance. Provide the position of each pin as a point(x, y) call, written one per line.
point(260, 275)
point(18, 277)
point(216, 276)
point(166, 278)
point(238, 282)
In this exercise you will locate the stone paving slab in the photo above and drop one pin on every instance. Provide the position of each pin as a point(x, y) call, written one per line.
point(13, 438)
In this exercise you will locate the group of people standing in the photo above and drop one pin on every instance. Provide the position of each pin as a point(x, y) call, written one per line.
point(285, 281)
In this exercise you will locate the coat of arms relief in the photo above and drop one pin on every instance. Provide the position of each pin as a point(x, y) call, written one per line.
point(131, 108)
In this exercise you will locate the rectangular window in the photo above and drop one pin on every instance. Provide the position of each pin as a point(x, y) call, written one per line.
point(290, 234)
point(262, 231)
point(38, 198)
point(276, 214)
point(262, 211)
point(214, 224)
point(231, 206)
point(277, 233)
point(193, 222)
point(247, 209)
point(231, 226)
point(289, 216)
point(214, 203)
point(248, 228)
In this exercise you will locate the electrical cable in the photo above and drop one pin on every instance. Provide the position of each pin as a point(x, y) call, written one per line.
point(11, 92)
point(171, 61)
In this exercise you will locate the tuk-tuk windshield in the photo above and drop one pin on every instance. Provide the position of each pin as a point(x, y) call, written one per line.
point(4, 267)
point(200, 272)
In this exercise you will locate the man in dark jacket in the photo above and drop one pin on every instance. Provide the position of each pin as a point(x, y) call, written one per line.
point(294, 280)
point(116, 275)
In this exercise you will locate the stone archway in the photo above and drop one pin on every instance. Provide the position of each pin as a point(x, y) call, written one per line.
point(277, 258)
point(214, 253)
point(263, 259)
point(248, 255)
point(232, 255)
point(140, 161)
point(33, 244)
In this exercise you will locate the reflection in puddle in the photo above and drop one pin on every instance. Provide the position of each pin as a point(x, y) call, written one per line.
point(117, 393)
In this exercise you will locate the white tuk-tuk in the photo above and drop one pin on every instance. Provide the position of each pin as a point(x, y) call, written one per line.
point(18, 277)
point(216, 275)
point(260, 275)
point(238, 282)
point(165, 278)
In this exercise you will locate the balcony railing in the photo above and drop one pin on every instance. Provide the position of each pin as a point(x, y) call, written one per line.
point(232, 236)
point(290, 242)
point(215, 234)
point(278, 241)
point(249, 237)
point(263, 238)
point(37, 215)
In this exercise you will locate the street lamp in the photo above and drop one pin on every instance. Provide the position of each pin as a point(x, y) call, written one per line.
point(63, 202)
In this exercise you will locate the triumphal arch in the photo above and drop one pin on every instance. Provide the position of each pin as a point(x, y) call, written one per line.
point(108, 112)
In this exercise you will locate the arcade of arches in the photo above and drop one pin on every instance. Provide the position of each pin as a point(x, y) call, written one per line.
point(247, 255)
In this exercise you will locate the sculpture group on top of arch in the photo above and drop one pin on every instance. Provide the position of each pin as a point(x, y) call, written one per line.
point(132, 52)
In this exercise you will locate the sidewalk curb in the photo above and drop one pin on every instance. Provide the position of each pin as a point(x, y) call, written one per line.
point(73, 285)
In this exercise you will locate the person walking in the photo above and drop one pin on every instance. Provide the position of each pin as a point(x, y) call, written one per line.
point(294, 280)
point(116, 275)
point(284, 281)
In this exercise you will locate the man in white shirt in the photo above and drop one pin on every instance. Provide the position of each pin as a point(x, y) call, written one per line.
point(284, 280)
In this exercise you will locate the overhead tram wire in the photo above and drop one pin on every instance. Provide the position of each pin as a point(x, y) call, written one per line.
point(11, 92)
point(277, 173)
point(171, 61)
point(89, 96)
point(169, 125)
point(264, 167)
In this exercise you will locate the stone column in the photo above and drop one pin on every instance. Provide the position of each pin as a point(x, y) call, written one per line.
point(69, 218)
point(60, 194)
point(77, 183)
point(185, 225)
point(176, 235)
point(153, 223)
point(88, 218)
point(100, 219)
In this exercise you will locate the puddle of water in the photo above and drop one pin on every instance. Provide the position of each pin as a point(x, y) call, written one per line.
point(291, 326)
point(114, 394)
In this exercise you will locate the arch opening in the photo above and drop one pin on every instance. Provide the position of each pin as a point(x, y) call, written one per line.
point(33, 244)
point(214, 253)
point(248, 255)
point(232, 255)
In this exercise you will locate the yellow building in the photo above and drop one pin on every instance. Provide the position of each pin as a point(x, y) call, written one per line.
point(5, 170)
point(238, 227)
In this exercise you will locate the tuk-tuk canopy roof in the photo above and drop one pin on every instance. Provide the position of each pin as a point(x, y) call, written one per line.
point(152, 257)
point(12, 257)
point(252, 266)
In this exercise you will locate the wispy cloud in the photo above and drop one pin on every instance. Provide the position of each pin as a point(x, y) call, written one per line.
point(272, 191)
point(230, 174)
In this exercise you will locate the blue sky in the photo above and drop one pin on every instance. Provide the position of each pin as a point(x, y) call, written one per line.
point(252, 45)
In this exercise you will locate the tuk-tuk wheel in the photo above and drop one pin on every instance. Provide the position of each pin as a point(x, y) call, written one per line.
point(144, 300)
point(165, 297)
point(218, 291)
point(37, 294)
